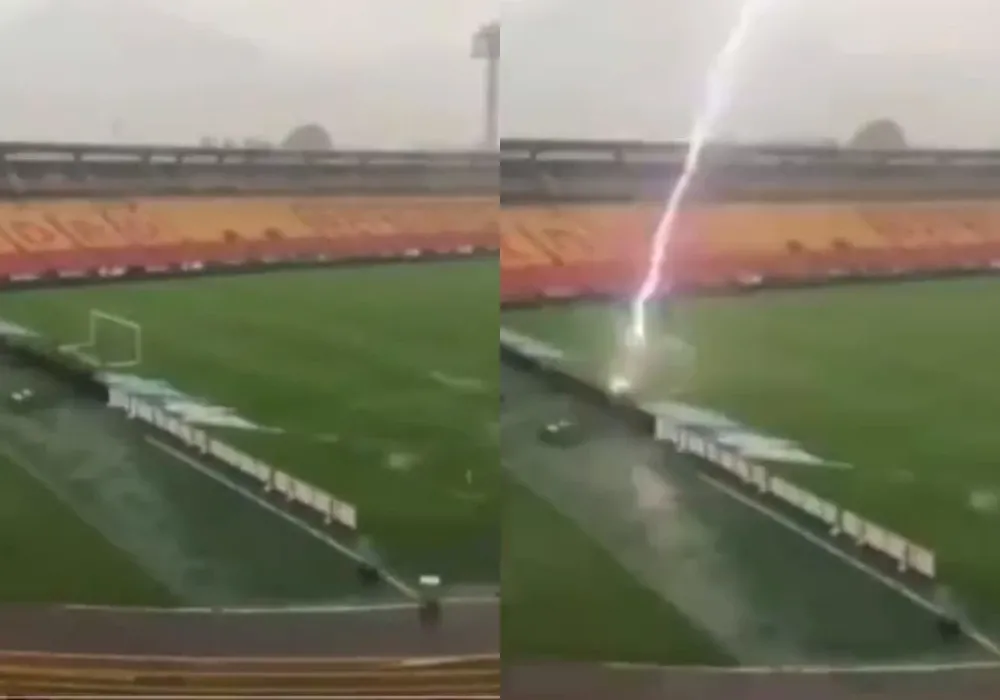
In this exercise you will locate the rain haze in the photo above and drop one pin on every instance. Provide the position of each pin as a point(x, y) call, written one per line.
point(374, 73)
point(813, 70)
point(398, 74)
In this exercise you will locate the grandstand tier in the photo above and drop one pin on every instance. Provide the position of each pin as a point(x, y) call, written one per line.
point(78, 235)
point(589, 249)
point(603, 249)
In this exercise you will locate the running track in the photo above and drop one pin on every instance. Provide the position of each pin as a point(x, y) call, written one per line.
point(371, 652)
point(579, 682)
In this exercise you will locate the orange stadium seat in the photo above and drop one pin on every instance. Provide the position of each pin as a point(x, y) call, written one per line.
point(938, 235)
point(81, 234)
point(518, 250)
point(601, 247)
point(562, 249)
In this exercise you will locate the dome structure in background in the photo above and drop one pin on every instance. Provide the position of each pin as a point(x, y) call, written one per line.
point(308, 137)
point(879, 135)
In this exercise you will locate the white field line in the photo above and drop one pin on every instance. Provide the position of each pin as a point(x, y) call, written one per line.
point(216, 696)
point(181, 696)
point(433, 661)
point(316, 533)
point(861, 669)
point(14, 655)
point(459, 384)
point(916, 598)
point(337, 609)
point(456, 383)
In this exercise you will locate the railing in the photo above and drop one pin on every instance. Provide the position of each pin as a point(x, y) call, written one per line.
point(270, 479)
point(907, 555)
point(39, 152)
point(511, 151)
point(673, 154)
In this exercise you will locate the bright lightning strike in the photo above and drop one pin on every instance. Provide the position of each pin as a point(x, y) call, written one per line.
point(718, 93)
point(619, 384)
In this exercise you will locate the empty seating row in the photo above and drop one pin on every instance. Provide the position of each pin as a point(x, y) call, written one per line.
point(77, 234)
point(717, 245)
point(96, 676)
point(599, 247)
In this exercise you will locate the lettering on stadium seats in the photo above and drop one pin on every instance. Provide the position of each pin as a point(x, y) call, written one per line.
point(568, 246)
point(390, 219)
point(332, 222)
point(135, 226)
point(518, 250)
point(34, 237)
point(54, 229)
point(328, 222)
point(531, 238)
point(934, 225)
point(88, 233)
point(281, 226)
point(896, 229)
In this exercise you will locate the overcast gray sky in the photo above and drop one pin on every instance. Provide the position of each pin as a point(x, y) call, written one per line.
point(811, 69)
point(397, 73)
point(328, 27)
point(346, 28)
point(391, 73)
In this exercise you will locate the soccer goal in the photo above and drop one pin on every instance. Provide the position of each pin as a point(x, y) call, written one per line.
point(112, 341)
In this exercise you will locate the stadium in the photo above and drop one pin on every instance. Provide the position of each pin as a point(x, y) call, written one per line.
point(804, 509)
point(248, 433)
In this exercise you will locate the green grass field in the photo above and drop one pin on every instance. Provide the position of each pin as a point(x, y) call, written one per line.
point(895, 380)
point(49, 555)
point(381, 386)
point(399, 364)
point(377, 384)
point(565, 597)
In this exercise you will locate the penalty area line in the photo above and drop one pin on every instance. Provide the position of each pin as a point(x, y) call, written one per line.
point(316, 533)
point(916, 598)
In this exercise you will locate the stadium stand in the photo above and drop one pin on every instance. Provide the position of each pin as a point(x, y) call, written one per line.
point(580, 215)
point(84, 236)
point(728, 244)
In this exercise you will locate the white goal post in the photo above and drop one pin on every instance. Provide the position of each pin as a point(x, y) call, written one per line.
point(112, 341)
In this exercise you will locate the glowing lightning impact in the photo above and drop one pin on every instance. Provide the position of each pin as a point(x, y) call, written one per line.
point(718, 91)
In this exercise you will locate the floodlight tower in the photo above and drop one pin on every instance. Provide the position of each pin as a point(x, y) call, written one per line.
point(486, 48)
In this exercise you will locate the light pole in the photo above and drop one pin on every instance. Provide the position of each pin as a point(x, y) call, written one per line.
point(486, 48)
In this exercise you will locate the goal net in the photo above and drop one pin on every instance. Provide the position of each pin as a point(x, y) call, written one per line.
point(112, 341)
